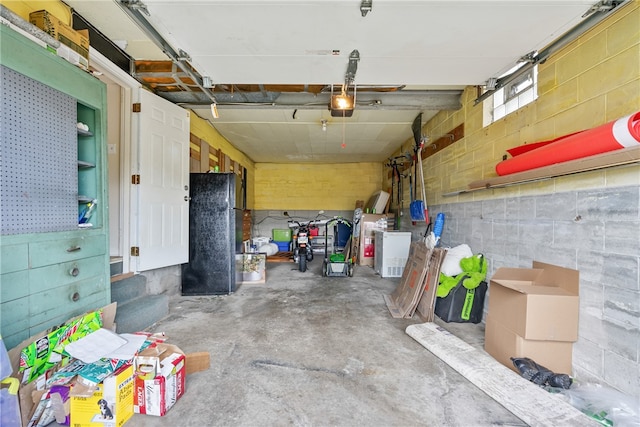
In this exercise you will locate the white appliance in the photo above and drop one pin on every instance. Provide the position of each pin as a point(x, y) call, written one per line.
point(392, 251)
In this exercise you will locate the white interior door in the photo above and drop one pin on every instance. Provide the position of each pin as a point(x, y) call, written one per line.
point(163, 190)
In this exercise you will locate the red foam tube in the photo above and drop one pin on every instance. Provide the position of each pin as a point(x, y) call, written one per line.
point(621, 133)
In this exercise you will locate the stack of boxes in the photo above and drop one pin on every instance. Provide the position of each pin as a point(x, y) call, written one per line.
point(282, 238)
point(533, 312)
point(145, 375)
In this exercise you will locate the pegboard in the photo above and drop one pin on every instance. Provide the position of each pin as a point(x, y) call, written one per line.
point(38, 157)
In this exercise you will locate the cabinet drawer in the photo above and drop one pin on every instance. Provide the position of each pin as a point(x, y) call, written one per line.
point(59, 303)
point(68, 249)
point(14, 285)
point(14, 317)
point(57, 275)
point(14, 258)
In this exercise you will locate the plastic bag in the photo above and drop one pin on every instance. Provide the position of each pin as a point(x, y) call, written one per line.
point(605, 405)
point(9, 408)
point(540, 375)
point(451, 263)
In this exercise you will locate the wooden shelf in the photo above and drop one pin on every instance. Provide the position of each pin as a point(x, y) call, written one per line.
point(620, 157)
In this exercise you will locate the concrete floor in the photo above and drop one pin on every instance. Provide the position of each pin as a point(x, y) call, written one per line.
point(307, 350)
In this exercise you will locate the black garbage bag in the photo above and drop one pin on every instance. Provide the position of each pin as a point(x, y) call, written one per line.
point(540, 375)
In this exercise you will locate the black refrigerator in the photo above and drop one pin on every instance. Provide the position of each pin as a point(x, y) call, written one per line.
point(215, 234)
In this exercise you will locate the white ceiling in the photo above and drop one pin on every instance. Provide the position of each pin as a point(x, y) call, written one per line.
point(421, 45)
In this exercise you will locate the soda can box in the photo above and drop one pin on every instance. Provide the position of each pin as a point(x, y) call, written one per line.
point(110, 405)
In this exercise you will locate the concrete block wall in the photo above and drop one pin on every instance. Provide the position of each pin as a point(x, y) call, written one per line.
point(595, 231)
point(313, 187)
point(588, 221)
point(592, 81)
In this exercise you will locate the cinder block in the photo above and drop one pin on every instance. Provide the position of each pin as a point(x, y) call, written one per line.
point(622, 237)
point(622, 306)
point(622, 372)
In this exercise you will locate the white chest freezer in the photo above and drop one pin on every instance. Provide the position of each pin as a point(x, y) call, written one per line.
point(392, 251)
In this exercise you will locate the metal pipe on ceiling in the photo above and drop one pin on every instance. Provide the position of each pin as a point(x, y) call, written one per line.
point(593, 16)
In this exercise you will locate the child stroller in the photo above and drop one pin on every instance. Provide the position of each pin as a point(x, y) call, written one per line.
point(337, 264)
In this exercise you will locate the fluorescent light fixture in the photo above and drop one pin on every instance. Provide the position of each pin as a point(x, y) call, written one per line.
point(214, 111)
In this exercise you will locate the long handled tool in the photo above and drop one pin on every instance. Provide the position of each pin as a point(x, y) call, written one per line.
point(418, 208)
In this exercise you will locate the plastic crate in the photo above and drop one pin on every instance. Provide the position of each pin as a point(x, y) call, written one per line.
point(282, 246)
point(281, 234)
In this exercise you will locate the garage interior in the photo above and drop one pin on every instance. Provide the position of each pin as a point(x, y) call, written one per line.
point(257, 81)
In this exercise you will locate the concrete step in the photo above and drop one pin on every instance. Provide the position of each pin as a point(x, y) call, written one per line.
point(129, 288)
point(140, 313)
point(115, 264)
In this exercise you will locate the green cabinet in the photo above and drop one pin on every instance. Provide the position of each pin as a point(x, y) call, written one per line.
point(51, 267)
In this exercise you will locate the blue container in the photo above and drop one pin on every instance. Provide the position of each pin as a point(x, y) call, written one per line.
point(282, 246)
point(343, 233)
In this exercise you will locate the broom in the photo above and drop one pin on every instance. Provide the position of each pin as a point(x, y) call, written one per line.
point(418, 208)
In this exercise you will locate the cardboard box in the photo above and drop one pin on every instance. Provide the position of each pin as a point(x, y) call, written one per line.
point(368, 224)
point(539, 303)
point(111, 405)
point(503, 344)
point(159, 381)
point(418, 284)
point(26, 391)
point(65, 34)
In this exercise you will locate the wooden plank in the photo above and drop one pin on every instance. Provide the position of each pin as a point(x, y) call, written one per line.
point(623, 156)
point(443, 142)
point(221, 160)
point(527, 401)
point(204, 156)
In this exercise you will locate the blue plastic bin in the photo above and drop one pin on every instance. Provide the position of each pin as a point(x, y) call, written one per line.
point(282, 246)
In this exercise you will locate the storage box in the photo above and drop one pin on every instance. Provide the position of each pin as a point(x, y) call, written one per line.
point(281, 235)
point(282, 246)
point(110, 405)
point(533, 312)
point(368, 224)
point(539, 303)
point(462, 305)
point(159, 381)
point(65, 34)
point(503, 344)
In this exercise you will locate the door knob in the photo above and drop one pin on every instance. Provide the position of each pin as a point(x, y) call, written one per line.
point(187, 198)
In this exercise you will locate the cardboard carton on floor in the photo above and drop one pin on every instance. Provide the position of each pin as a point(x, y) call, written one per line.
point(533, 313)
point(539, 303)
point(503, 344)
point(111, 405)
point(368, 224)
point(160, 379)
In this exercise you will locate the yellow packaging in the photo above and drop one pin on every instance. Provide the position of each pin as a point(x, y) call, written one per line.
point(111, 404)
point(78, 41)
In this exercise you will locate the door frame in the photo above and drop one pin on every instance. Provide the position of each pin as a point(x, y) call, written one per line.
point(128, 139)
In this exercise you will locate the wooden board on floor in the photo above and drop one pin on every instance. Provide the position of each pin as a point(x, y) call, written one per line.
point(527, 401)
point(280, 257)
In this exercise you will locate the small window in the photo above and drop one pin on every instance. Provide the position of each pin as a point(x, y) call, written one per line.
point(512, 96)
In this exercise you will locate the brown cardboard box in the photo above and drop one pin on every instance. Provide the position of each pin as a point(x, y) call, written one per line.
point(539, 303)
point(403, 300)
point(502, 344)
point(368, 224)
point(533, 312)
point(65, 34)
